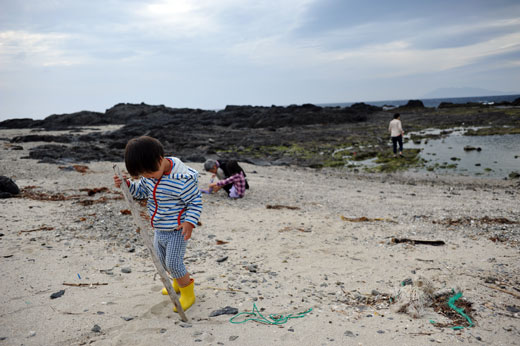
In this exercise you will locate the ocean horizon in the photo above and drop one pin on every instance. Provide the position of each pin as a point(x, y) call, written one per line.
point(430, 102)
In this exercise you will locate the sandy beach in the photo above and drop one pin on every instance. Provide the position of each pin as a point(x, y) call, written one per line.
point(302, 240)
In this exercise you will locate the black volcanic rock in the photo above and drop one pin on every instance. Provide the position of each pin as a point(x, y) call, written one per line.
point(191, 134)
point(54, 153)
point(413, 104)
point(447, 105)
point(363, 107)
point(8, 187)
point(41, 138)
point(231, 116)
point(23, 123)
point(83, 118)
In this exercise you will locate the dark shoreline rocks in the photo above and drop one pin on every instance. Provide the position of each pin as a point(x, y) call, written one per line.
point(192, 134)
point(304, 135)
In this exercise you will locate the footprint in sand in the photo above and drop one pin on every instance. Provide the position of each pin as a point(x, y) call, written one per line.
point(162, 308)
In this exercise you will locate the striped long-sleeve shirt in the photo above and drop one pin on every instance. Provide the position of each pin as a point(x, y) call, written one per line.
point(172, 199)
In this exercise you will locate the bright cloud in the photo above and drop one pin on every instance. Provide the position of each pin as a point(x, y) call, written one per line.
point(36, 49)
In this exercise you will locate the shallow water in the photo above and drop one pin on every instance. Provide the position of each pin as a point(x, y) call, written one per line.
point(500, 154)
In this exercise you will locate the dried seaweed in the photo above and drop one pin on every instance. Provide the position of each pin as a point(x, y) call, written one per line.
point(92, 192)
point(468, 220)
point(440, 306)
point(364, 219)
point(28, 192)
point(43, 228)
point(279, 206)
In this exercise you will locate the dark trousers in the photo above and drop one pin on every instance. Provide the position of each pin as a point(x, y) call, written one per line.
point(395, 140)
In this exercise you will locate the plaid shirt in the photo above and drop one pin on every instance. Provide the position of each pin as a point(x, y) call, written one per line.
point(238, 181)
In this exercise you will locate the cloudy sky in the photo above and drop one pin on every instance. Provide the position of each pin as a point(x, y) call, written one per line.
point(64, 56)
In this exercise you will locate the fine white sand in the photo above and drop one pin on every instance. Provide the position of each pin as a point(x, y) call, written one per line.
point(285, 261)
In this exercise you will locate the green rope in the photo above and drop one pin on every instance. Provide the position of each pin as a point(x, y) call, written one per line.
point(273, 318)
point(451, 304)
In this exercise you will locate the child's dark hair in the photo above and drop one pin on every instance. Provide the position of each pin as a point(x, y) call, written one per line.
point(396, 115)
point(233, 167)
point(142, 154)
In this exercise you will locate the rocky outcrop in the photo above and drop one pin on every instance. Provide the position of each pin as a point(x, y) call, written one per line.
point(304, 135)
point(231, 116)
point(413, 104)
point(192, 134)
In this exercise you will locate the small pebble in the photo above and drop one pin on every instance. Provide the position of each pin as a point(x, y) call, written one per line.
point(126, 270)
point(228, 310)
point(96, 329)
point(57, 294)
point(349, 333)
point(222, 259)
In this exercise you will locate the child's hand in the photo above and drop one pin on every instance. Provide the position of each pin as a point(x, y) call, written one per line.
point(213, 185)
point(186, 229)
point(117, 181)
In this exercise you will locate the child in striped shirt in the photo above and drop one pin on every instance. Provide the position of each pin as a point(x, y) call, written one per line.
point(174, 205)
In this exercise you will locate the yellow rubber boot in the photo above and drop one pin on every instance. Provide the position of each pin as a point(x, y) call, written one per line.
point(187, 296)
point(175, 286)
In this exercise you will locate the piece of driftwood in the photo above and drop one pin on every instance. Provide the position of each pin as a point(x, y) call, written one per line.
point(415, 241)
point(365, 219)
point(145, 236)
point(279, 206)
point(43, 228)
point(503, 290)
point(86, 284)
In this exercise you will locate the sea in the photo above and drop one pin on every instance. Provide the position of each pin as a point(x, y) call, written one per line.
point(431, 102)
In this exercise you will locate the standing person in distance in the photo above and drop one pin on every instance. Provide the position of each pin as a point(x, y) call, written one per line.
point(396, 132)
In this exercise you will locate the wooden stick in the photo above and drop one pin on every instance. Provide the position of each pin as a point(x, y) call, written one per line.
point(503, 290)
point(415, 241)
point(43, 228)
point(145, 237)
point(85, 284)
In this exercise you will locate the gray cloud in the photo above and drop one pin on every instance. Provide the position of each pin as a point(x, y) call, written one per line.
point(66, 56)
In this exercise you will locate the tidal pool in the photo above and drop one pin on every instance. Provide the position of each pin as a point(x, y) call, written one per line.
point(499, 155)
